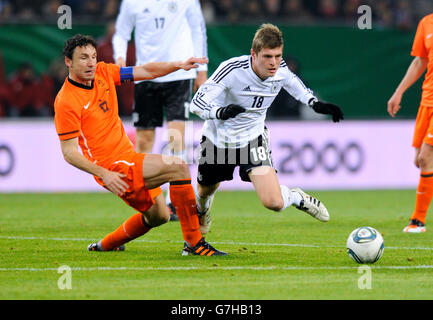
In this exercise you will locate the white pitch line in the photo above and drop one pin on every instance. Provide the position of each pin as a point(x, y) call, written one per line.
point(228, 242)
point(269, 268)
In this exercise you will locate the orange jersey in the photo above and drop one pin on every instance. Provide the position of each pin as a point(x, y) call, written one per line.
point(91, 114)
point(423, 47)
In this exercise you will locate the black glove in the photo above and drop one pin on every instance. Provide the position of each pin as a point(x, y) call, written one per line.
point(328, 108)
point(231, 111)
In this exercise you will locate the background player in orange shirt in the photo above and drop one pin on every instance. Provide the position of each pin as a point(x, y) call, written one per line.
point(86, 115)
point(422, 50)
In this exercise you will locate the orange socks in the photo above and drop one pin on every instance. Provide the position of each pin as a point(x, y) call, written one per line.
point(183, 199)
point(132, 228)
point(424, 194)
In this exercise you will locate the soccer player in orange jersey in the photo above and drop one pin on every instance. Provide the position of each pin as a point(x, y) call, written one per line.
point(422, 50)
point(86, 115)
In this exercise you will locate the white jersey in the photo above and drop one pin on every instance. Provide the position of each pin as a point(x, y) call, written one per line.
point(235, 82)
point(165, 30)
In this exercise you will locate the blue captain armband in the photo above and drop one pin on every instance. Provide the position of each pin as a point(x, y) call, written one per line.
point(126, 74)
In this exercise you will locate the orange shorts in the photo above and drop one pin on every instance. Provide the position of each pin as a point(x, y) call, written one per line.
point(423, 127)
point(137, 195)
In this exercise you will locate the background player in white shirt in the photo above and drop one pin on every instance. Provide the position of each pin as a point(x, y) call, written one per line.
point(233, 101)
point(164, 30)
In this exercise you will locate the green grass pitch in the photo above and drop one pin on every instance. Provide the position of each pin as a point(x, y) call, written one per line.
point(273, 256)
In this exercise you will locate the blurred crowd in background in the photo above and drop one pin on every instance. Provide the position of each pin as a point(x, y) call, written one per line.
point(387, 13)
point(27, 94)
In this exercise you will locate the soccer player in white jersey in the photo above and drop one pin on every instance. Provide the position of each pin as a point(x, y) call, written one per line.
point(233, 101)
point(165, 30)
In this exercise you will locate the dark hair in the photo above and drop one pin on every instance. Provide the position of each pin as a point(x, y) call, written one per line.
point(77, 41)
point(267, 36)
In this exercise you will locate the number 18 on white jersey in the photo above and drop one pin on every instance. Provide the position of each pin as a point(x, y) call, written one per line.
point(235, 82)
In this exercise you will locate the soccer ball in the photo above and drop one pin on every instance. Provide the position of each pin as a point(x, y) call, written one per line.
point(365, 245)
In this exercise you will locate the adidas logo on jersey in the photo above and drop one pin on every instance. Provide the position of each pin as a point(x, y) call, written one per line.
point(247, 88)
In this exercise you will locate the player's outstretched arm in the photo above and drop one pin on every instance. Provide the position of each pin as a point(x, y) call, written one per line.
point(112, 180)
point(327, 108)
point(415, 70)
point(154, 70)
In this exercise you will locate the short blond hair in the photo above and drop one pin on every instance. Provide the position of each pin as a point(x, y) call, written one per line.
point(267, 36)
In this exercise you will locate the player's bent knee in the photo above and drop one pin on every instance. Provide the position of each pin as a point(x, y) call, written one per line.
point(164, 219)
point(158, 214)
point(273, 203)
point(158, 219)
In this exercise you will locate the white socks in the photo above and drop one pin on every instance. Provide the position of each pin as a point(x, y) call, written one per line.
point(203, 203)
point(290, 197)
